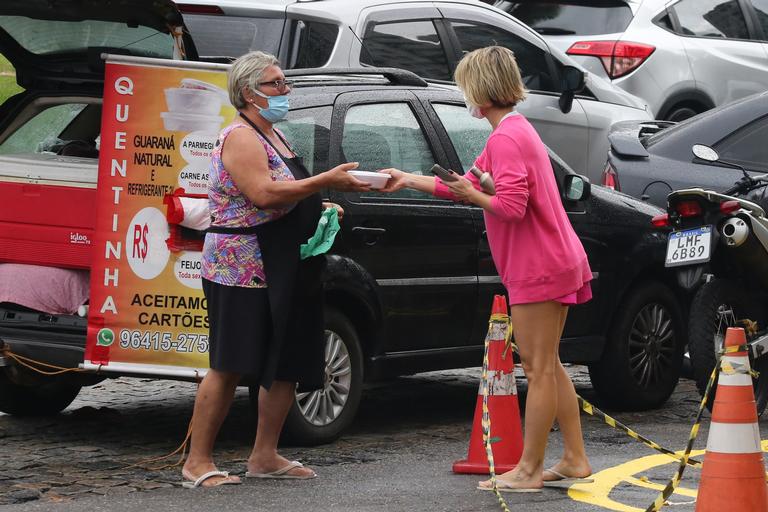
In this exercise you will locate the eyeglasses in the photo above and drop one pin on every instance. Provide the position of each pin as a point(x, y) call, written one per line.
point(278, 84)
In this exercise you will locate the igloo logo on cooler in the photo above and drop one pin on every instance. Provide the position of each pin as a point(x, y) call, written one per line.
point(147, 252)
point(79, 238)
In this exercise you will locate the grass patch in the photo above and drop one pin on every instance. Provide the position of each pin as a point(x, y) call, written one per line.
point(8, 86)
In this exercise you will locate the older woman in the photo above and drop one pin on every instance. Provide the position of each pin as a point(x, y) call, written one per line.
point(264, 204)
point(537, 254)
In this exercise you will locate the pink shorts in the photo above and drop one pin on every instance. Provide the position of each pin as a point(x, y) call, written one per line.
point(580, 296)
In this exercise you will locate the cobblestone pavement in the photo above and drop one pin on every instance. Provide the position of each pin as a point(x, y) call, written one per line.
point(105, 441)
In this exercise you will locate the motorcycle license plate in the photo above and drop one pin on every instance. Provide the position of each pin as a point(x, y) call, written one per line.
point(689, 247)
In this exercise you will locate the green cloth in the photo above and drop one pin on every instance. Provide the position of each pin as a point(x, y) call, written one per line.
point(322, 240)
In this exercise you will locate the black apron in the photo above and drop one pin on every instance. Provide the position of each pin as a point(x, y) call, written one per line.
point(294, 287)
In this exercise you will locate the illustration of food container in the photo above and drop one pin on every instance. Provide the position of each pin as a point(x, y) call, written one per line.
point(194, 106)
point(181, 122)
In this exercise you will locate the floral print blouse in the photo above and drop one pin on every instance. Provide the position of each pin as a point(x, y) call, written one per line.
point(235, 259)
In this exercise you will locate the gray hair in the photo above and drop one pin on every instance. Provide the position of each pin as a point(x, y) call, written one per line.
point(245, 72)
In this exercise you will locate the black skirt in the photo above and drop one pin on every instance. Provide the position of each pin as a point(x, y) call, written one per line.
point(242, 337)
point(240, 328)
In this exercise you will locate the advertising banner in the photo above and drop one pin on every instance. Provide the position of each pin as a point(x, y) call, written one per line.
point(159, 126)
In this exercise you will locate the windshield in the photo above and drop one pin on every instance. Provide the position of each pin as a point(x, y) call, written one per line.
point(573, 17)
point(49, 37)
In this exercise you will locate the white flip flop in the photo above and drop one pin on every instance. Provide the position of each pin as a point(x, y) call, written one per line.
point(189, 484)
point(282, 473)
point(565, 481)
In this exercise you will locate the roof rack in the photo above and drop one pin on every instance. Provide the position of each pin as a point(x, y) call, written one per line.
point(395, 76)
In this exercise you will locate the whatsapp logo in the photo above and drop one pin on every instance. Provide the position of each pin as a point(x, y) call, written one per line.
point(105, 337)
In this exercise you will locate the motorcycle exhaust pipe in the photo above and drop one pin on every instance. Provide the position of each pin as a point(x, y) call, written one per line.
point(735, 232)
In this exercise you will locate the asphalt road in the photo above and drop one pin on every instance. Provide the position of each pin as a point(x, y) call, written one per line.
point(397, 457)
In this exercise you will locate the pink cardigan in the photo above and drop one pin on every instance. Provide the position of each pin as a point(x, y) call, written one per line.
point(536, 252)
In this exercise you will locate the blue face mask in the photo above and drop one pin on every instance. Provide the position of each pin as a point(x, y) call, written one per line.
point(277, 107)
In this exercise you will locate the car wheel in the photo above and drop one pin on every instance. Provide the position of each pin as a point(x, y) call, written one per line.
point(704, 327)
point(643, 356)
point(320, 416)
point(681, 112)
point(23, 394)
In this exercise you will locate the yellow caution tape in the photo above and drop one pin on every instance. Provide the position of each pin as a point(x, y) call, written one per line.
point(616, 424)
point(685, 459)
point(486, 418)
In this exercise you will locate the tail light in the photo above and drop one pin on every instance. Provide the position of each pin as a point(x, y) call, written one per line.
point(660, 221)
point(727, 207)
point(688, 209)
point(618, 57)
point(610, 179)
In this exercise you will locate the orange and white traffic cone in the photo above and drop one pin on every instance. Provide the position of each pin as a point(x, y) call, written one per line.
point(733, 475)
point(506, 430)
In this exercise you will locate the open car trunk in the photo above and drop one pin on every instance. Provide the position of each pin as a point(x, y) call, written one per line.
point(49, 133)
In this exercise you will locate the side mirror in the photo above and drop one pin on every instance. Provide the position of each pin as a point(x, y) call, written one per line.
point(572, 81)
point(576, 187)
point(705, 153)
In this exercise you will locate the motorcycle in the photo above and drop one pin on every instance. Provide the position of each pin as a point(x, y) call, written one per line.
point(719, 249)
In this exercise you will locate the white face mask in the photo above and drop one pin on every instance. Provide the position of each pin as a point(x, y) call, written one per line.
point(473, 110)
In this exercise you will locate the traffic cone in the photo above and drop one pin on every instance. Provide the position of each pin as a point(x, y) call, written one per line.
point(506, 430)
point(733, 475)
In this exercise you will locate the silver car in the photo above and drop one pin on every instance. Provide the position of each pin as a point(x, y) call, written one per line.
point(572, 109)
point(681, 56)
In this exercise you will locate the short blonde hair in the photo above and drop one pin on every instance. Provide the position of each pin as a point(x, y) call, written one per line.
point(490, 75)
point(245, 73)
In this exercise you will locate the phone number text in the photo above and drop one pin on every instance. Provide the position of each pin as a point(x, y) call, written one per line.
point(163, 341)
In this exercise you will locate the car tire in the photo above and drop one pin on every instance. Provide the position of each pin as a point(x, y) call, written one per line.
point(22, 395)
point(681, 112)
point(703, 327)
point(309, 422)
point(643, 356)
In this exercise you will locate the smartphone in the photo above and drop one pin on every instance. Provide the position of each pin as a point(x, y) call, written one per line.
point(443, 174)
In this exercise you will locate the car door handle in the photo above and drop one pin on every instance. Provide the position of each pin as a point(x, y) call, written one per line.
point(369, 235)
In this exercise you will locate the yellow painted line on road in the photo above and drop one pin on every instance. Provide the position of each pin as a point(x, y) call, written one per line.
point(598, 492)
point(682, 491)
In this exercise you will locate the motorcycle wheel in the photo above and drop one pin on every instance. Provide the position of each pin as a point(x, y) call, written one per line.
point(704, 322)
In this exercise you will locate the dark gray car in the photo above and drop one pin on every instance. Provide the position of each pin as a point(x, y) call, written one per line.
point(651, 159)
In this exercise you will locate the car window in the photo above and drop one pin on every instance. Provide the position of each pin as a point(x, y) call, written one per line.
point(233, 36)
point(711, 18)
point(411, 45)
point(467, 133)
point(571, 17)
point(747, 146)
point(761, 9)
point(385, 135)
point(308, 132)
point(8, 85)
point(532, 60)
point(314, 44)
point(41, 133)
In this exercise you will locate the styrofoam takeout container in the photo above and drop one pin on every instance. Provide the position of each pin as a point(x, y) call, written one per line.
point(376, 179)
point(191, 83)
point(193, 101)
point(182, 122)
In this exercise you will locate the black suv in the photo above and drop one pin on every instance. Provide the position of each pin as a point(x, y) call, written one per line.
point(410, 279)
